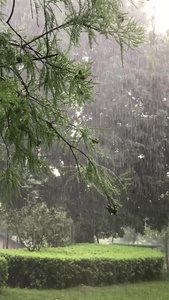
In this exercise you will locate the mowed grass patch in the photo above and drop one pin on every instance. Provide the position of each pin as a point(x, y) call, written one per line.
point(88, 251)
point(148, 291)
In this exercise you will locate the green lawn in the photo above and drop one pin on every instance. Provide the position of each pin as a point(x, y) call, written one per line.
point(142, 291)
point(88, 251)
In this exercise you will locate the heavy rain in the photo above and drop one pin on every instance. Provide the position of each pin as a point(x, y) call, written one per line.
point(84, 149)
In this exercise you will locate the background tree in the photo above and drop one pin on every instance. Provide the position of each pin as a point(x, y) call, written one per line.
point(136, 108)
point(132, 107)
point(35, 225)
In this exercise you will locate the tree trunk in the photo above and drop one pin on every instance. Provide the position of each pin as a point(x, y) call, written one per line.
point(166, 238)
point(7, 237)
point(134, 237)
point(97, 238)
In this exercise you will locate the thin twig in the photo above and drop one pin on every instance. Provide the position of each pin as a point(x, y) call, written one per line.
point(14, 44)
point(23, 41)
point(12, 11)
point(21, 80)
point(7, 152)
point(71, 147)
point(1, 72)
point(48, 32)
point(31, 8)
point(46, 29)
point(46, 56)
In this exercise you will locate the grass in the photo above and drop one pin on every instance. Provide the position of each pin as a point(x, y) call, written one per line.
point(142, 291)
point(89, 251)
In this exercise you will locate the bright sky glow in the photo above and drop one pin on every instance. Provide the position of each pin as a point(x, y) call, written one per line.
point(161, 10)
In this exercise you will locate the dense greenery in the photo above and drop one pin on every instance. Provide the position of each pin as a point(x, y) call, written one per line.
point(3, 272)
point(82, 264)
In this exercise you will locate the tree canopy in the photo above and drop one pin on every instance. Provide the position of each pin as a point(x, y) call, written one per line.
point(41, 86)
point(137, 115)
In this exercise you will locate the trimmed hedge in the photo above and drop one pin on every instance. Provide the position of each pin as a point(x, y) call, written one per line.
point(3, 272)
point(43, 272)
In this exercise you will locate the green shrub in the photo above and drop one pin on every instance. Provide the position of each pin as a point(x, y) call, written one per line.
point(3, 272)
point(58, 268)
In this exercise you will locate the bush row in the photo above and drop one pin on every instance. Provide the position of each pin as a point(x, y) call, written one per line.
point(38, 272)
point(3, 272)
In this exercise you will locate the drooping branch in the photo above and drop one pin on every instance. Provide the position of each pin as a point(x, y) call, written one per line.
point(71, 147)
point(114, 208)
